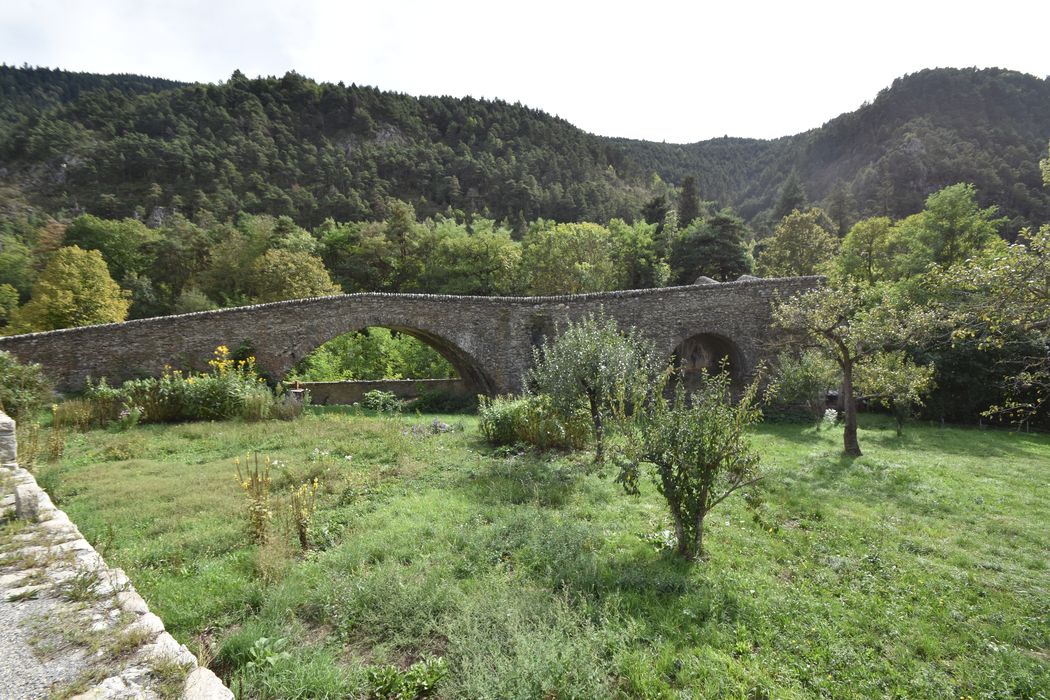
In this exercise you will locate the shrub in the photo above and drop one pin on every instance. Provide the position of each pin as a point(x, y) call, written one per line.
point(420, 680)
point(24, 389)
point(698, 451)
point(595, 364)
point(231, 388)
point(104, 405)
point(382, 401)
point(803, 380)
point(304, 503)
point(505, 420)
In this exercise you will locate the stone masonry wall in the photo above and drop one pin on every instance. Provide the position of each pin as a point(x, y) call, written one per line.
point(102, 642)
point(488, 339)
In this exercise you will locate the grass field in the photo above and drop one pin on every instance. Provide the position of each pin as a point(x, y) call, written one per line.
point(917, 571)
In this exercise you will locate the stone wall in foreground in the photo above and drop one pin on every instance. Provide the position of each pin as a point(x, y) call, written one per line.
point(57, 594)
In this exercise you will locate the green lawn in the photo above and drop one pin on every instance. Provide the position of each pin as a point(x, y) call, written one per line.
point(917, 571)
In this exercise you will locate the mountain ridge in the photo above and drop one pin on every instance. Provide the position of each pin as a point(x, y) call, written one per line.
point(114, 144)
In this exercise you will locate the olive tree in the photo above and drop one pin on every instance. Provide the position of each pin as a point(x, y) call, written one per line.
point(596, 363)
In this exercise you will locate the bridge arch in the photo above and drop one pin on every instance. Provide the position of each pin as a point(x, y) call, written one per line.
point(709, 351)
point(467, 366)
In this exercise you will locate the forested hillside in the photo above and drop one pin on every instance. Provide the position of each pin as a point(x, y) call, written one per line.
point(120, 146)
point(928, 130)
point(290, 146)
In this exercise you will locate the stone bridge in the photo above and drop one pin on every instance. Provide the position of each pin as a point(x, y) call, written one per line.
point(488, 340)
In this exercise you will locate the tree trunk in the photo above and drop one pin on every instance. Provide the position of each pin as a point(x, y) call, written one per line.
point(849, 435)
point(698, 543)
point(599, 430)
point(679, 533)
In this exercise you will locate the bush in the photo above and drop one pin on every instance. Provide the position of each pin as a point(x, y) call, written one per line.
point(24, 389)
point(382, 401)
point(105, 404)
point(505, 420)
point(231, 389)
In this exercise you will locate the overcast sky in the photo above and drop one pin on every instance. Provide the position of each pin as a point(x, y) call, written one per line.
point(665, 71)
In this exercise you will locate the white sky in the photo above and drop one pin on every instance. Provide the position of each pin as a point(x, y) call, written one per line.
point(665, 71)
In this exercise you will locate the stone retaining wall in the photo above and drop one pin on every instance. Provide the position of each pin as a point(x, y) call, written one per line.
point(349, 392)
point(68, 622)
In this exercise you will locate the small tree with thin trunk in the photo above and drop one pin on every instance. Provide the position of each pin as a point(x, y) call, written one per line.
point(698, 451)
point(596, 363)
point(855, 327)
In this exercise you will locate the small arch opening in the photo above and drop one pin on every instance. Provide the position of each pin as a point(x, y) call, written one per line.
point(710, 352)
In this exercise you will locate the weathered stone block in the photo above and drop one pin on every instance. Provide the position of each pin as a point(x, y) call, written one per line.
point(8, 441)
point(27, 503)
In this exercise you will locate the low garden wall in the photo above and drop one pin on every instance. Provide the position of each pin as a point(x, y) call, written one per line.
point(350, 392)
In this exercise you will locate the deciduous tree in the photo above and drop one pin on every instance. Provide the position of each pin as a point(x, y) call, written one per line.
point(800, 245)
point(853, 326)
point(75, 289)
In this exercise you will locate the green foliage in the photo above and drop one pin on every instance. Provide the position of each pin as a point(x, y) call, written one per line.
point(1001, 298)
point(855, 327)
point(893, 380)
point(8, 304)
point(255, 482)
point(382, 401)
point(927, 130)
point(282, 274)
point(792, 197)
point(124, 245)
point(698, 451)
point(75, 289)
point(949, 230)
point(713, 247)
point(420, 680)
point(803, 380)
point(230, 389)
point(865, 255)
point(374, 353)
point(569, 258)
point(266, 653)
point(688, 202)
point(24, 389)
point(1044, 167)
point(594, 364)
point(532, 420)
point(800, 245)
point(290, 146)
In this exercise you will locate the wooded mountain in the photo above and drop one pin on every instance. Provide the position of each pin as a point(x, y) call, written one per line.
point(125, 145)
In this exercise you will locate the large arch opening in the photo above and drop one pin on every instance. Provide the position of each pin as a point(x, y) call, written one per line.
point(403, 360)
point(707, 351)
